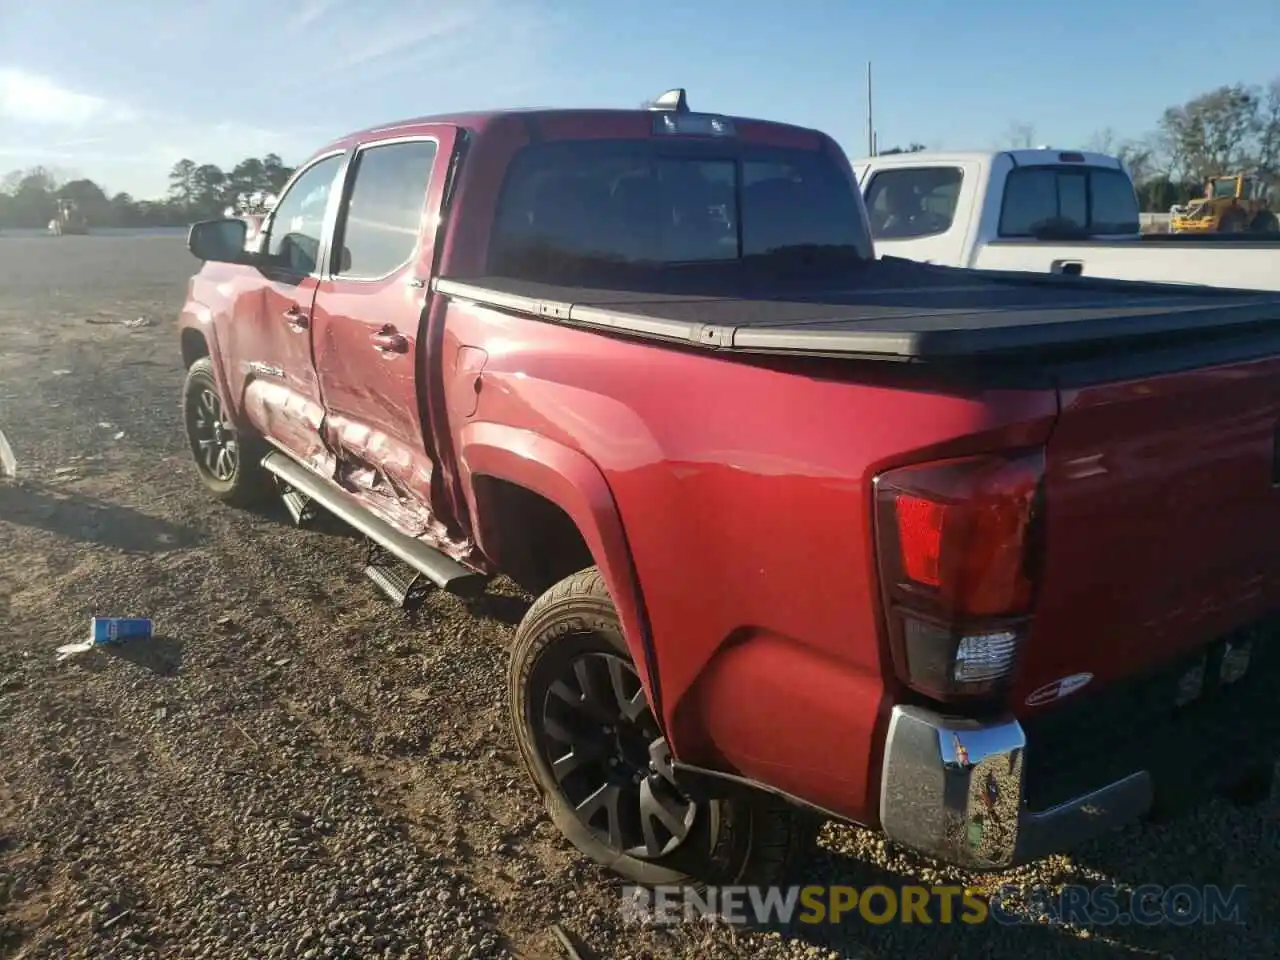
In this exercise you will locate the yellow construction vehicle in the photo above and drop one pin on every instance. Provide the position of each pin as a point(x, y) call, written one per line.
point(1231, 204)
point(69, 220)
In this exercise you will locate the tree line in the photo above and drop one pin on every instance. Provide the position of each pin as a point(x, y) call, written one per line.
point(1231, 129)
point(29, 198)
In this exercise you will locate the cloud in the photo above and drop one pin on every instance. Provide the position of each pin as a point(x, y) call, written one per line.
point(45, 123)
point(309, 13)
point(359, 66)
point(495, 47)
point(31, 98)
point(380, 44)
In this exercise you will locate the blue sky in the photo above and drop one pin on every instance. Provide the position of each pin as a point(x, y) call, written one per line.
point(119, 90)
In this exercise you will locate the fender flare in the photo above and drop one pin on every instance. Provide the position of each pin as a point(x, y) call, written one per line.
point(199, 318)
point(573, 482)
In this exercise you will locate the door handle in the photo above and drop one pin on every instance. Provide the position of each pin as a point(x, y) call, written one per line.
point(387, 340)
point(296, 318)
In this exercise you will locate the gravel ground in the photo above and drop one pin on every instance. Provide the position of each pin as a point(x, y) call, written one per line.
point(294, 769)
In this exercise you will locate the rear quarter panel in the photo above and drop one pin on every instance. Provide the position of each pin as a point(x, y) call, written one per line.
point(744, 494)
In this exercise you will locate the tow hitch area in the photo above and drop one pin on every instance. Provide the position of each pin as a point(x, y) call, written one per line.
point(406, 587)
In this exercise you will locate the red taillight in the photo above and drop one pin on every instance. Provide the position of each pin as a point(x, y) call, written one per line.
point(920, 537)
point(957, 548)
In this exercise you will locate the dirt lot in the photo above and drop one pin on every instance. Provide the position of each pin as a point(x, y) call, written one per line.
point(295, 769)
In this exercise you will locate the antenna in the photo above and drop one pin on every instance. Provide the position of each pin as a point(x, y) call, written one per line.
point(871, 136)
point(675, 100)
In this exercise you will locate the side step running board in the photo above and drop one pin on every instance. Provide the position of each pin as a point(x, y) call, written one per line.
point(298, 505)
point(445, 572)
point(408, 592)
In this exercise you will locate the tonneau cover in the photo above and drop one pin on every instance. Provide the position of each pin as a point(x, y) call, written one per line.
point(895, 309)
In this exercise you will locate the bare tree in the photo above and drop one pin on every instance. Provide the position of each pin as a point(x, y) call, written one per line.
point(1138, 157)
point(1103, 141)
point(1269, 129)
point(1215, 133)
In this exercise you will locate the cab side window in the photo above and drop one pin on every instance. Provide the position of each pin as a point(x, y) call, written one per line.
point(913, 202)
point(381, 221)
point(298, 219)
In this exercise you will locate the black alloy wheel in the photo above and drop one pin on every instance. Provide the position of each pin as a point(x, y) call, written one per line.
point(217, 447)
point(609, 759)
point(228, 463)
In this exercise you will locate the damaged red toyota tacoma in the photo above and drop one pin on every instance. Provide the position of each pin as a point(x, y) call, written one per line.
point(985, 561)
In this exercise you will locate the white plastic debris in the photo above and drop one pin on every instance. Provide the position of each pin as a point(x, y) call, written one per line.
point(8, 465)
point(71, 649)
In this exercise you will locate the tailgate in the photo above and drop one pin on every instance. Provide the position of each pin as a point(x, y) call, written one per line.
point(1162, 514)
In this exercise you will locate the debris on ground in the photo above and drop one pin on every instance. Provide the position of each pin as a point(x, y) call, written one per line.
point(8, 464)
point(119, 322)
point(108, 630)
point(566, 941)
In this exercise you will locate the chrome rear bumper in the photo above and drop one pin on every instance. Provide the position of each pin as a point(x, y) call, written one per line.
point(953, 789)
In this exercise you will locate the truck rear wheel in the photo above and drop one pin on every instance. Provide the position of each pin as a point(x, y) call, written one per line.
point(1264, 222)
point(1232, 222)
point(228, 463)
point(591, 744)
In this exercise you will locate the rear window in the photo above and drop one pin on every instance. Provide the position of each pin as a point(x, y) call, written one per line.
point(1088, 200)
point(574, 204)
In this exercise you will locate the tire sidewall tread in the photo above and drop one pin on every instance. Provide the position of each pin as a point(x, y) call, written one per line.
point(733, 841)
point(250, 485)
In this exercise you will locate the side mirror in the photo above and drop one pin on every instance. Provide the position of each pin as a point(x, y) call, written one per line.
point(344, 260)
point(221, 241)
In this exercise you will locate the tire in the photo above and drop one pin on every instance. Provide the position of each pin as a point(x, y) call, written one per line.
point(1232, 222)
point(1252, 788)
point(1264, 222)
point(574, 627)
point(240, 480)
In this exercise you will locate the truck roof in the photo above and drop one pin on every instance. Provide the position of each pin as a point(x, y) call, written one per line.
point(476, 121)
point(1034, 157)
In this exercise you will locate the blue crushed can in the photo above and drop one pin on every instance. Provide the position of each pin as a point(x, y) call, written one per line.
point(118, 629)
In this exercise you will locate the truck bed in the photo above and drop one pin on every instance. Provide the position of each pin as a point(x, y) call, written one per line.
point(887, 309)
point(1243, 261)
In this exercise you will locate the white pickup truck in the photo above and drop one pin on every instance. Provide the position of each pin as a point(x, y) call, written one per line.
point(1044, 210)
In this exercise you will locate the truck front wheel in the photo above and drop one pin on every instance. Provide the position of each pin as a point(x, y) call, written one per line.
point(229, 464)
point(596, 755)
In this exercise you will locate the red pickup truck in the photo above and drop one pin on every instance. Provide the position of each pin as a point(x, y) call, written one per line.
point(985, 561)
